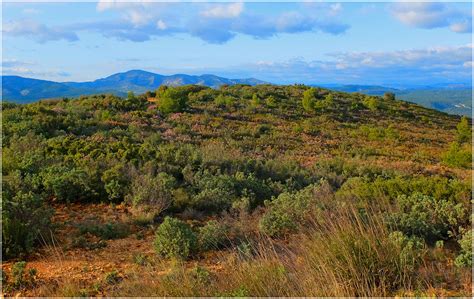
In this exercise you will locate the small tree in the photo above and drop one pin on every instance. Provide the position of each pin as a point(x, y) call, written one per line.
point(463, 131)
point(329, 100)
point(255, 100)
point(389, 96)
point(309, 99)
point(271, 102)
point(171, 100)
point(371, 103)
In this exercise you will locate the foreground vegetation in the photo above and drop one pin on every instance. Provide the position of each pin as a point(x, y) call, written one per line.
point(292, 190)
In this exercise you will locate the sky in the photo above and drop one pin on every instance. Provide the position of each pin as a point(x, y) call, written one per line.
point(392, 44)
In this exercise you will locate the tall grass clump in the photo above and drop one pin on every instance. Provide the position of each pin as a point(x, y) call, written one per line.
point(352, 253)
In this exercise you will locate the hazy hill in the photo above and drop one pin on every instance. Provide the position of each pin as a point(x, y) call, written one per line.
point(365, 89)
point(25, 90)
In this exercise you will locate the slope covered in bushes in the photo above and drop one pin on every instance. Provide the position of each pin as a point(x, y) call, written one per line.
point(371, 183)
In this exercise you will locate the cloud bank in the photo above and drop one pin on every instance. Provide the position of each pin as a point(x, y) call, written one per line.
point(212, 23)
point(402, 68)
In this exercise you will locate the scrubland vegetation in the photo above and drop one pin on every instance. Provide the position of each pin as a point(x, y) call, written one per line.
point(240, 191)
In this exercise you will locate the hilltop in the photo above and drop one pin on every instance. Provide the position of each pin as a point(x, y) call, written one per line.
point(236, 191)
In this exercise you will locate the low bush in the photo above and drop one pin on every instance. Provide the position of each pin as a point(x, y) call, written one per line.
point(112, 277)
point(212, 235)
point(151, 193)
point(26, 223)
point(21, 277)
point(464, 259)
point(141, 259)
point(68, 184)
point(424, 216)
point(175, 239)
point(107, 231)
point(290, 209)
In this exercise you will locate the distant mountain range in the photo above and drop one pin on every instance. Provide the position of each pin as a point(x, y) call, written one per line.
point(25, 90)
point(450, 98)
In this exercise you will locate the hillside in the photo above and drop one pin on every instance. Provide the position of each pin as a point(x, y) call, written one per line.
point(26, 90)
point(452, 101)
point(237, 191)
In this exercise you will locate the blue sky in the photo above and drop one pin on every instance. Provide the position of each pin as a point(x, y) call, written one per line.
point(395, 44)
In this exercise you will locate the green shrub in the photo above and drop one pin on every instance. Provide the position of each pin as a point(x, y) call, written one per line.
point(371, 103)
point(213, 235)
point(112, 277)
point(289, 210)
point(410, 250)
point(115, 182)
point(18, 273)
point(256, 101)
point(141, 259)
point(458, 156)
point(21, 277)
point(383, 187)
point(68, 184)
point(271, 102)
point(175, 239)
point(152, 193)
point(424, 216)
point(464, 259)
point(216, 192)
point(26, 222)
point(224, 101)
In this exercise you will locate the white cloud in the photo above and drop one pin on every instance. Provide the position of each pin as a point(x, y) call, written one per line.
point(14, 63)
point(25, 68)
point(231, 10)
point(335, 8)
point(430, 15)
point(161, 25)
point(38, 32)
point(31, 11)
point(461, 27)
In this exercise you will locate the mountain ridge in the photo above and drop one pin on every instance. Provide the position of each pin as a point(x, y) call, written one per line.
point(26, 90)
point(448, 97)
